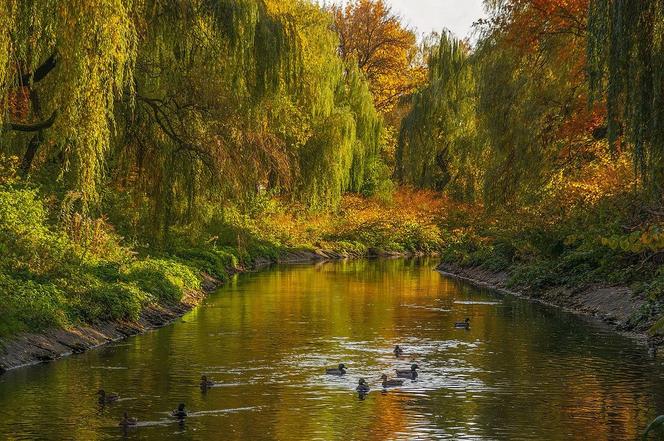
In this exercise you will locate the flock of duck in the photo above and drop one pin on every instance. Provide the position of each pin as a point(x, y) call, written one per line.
point(411, 374)
point(362, 387)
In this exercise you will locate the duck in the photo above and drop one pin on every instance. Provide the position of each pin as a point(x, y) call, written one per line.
point(390, 383)
point(463, 325)
point(205, 383)
point(180, 412)
point(341, 370)
point(362, 386)
point(398, 352)
point(408, 373)
point(656, 426)
point(126, 421)
point(105, 398)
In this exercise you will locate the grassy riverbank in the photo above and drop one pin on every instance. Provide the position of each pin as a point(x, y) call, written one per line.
point(61, 270)
point(605, 239)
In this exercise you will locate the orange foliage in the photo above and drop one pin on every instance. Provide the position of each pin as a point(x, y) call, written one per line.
point(374, 37)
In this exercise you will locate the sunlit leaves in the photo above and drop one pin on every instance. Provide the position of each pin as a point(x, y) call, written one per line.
point(373, 36)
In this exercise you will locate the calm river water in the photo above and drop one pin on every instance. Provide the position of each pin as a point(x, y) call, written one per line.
point(522, 372)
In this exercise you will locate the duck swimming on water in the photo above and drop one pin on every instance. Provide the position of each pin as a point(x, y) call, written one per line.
point(398, 352)
point(105, 398)
point(205, 383)
point(341, 370)
point(362, 386)
point(390, 383)
point(463, 325)
point(408, 373)
point(180, 412)
point(126, 421)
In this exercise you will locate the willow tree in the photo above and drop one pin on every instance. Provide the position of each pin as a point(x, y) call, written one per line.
point(208, 77)
point(437, 135)
point(345, 127)
point(532, 97)
point(626, 63)
point(69, 61)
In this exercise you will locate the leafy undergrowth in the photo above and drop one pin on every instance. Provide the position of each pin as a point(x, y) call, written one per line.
point(59, 269)
point(575, 238)
point(47, 278)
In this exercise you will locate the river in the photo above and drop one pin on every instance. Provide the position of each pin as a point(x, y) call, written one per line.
point(523, 371)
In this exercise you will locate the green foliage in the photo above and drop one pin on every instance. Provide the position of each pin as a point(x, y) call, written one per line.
point(28, 305)
point(626, 65)
point(652, 240)
point(437, 135)
point(26, 242)
point(52, 279)
point(214, 261)
point(166, 280)
point(389, 235)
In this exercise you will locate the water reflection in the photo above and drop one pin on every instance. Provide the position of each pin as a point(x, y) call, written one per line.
point(522, 371)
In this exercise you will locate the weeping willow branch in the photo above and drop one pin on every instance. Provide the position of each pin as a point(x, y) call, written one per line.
point(626, 65)
point(40, 73)
point(36, 127)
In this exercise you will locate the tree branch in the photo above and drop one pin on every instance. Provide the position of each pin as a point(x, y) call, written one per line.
point(32, 127)
point(40, 73)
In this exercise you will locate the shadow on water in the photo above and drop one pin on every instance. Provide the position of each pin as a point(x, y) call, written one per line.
point(522, 371)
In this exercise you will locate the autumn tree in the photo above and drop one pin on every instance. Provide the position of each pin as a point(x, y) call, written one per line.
point(372, 35)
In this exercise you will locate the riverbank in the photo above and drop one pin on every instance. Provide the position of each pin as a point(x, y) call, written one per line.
point(31, 348)
point(617, 306)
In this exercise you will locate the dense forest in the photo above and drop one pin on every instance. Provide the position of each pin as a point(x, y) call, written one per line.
point(145, 142)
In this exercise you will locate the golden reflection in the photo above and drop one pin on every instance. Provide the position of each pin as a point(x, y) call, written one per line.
point(522, 371)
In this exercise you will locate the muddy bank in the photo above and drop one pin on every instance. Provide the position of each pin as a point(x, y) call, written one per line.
point(52, 344)
point(615, 305)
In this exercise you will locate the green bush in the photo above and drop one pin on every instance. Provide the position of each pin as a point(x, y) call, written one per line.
point(26, 242)
point(113, 301)
point(166, 280)
point(27, 305)
point(215, 262)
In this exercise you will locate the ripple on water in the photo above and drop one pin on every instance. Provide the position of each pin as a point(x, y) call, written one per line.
point(426, 307)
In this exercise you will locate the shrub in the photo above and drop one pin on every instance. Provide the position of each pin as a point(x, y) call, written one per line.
point(27, 305)
point(113, 301)
point(166, 280)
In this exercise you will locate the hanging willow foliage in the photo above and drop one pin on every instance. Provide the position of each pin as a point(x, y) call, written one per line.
point(206, 74)
point(368, 123)
point(345, 126)
point(94, 46)
point(184, 104)
point(434, 137)
point(7, 17)
point(626, 63)
point(326, 159)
